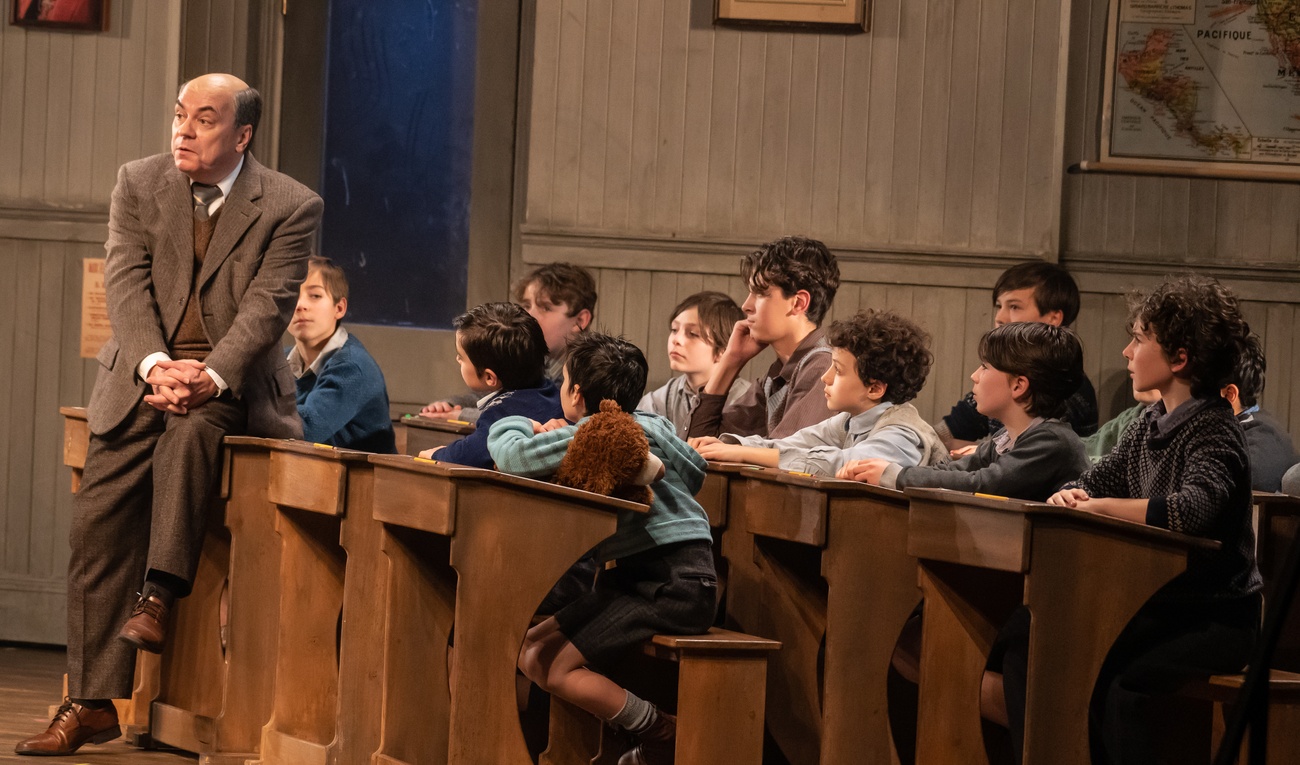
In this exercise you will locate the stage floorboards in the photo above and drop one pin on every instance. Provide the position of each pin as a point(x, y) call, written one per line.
point(30, 681)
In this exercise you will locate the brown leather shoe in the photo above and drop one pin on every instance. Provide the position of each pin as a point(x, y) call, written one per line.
point(657, 744)
point(147, 627)
point(72, 726)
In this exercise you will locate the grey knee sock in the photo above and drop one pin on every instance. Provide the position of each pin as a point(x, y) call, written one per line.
point(636, 715)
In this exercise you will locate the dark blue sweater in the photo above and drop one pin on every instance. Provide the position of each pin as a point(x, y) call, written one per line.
point(541, 403)
point(346, 405)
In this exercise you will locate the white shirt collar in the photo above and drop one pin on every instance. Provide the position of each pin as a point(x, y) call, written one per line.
point(336, 342)
point(225, 184)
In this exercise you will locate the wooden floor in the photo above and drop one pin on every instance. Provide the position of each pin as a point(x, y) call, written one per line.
point(30, 681)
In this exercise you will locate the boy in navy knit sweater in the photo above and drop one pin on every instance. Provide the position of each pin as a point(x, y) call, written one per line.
point(1183, 466)
point(664, 580)
point(502, 356)
point(342, 398)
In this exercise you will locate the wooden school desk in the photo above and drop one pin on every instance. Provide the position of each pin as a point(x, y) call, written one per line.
point(830, 564)
point(481, 548)
point(1277, 527)
point(1083, 578)
point(415, 433)
point(327, 692)
point(213, 700)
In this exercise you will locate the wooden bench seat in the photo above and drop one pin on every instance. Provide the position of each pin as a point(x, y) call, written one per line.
point(1283, 712)
point(721, 691)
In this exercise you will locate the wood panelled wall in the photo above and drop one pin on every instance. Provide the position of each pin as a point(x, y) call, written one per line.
point(929, 153)
point(73, 107)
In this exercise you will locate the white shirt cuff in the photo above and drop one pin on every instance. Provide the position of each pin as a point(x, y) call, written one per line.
point(146, 366)
point(216, 378)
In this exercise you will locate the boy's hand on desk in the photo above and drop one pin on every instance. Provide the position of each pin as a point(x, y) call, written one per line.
point(549, 425)
point(866, 471)
point(440, 410)
point(698, 441)
point(427, 454)
point(1069, 498)
point(714, 450)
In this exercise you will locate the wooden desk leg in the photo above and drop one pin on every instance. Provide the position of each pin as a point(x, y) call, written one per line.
point(871, 593)
point(1074, 627)
point(744, 580)
point(417, 618)
point(495, 533)
point(575, 735)
point(956, 638)
point(730, 694)
point(793, 612)
point(302, 723)
point(361, 649)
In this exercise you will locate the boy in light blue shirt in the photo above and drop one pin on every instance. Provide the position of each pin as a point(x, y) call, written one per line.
point(663, 580)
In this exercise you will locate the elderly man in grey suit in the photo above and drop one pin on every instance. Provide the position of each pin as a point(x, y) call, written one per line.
point(206, 249)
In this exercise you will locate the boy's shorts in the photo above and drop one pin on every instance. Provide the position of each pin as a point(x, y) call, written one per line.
point(671, 589)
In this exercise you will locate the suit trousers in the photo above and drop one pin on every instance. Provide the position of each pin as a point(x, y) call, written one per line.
point(144, 502)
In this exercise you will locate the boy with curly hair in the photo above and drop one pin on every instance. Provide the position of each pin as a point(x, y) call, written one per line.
point(792, 282)
point(1183, 466)
point(879, 362)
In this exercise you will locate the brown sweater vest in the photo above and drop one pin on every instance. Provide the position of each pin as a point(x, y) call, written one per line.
point(191, 341)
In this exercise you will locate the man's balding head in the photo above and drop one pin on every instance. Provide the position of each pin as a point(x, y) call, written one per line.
point(216, 115)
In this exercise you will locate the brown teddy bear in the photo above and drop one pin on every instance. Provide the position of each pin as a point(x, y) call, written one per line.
point(609, 455)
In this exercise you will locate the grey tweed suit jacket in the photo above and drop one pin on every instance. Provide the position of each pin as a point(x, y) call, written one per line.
point(248, 286)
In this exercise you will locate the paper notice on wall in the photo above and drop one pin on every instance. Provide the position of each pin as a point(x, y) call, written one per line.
point(95, 329)
point(1158, 11)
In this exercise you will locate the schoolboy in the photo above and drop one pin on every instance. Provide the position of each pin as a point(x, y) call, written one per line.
point(792, 282)
point(341, 394)
point(663, 580)
point(697, 336)
point(1183, 467)
point(1027, 371)
point(879, 362)
point(1270, 447)
point(1029, 291)
point(502, 357)
point(562, 298)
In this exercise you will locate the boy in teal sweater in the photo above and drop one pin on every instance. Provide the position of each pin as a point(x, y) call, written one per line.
point(663, 580)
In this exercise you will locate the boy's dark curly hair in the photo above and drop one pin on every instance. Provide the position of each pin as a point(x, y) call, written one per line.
point(1249, 377)
point(606, 367)
point(794, 263)
point(1050, 357)
point(1198, 316)
point(888, 349)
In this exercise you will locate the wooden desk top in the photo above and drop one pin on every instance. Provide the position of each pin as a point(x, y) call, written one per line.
point(457, 427)
point(992, 532)
point(794, 506)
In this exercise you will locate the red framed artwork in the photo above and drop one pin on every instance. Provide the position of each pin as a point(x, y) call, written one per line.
point(86, 15)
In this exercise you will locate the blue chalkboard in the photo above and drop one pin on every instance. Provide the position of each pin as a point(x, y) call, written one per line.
point(398, 134)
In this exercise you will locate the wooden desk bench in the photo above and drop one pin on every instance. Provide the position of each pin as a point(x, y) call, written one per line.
point(832, 580)
point(213, 700)
point(1283, 713)
point(326, 703)
point(1083, 578)
point(415, 433)
point(720, 690)
point(482, 548)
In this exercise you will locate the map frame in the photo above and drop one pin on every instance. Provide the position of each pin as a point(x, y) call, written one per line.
point(1159, 165)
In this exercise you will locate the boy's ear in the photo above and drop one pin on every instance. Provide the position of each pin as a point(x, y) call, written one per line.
point(1179, 362)
point(802, 299)
point(489, 378)
point(1232, 393)
point(1019, 387)
point(582, 319)
point(340, 308)
point(1054, 317)
point(876, 390)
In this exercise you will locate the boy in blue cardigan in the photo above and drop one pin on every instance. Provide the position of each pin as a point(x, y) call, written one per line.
point(501, 351)
point(341, 394)
point(663, 580)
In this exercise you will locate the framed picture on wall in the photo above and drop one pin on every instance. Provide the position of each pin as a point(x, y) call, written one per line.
point(87, 15)
point(846, 14)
